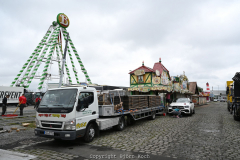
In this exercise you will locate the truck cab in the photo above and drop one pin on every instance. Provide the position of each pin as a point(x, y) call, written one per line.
point(68, 113)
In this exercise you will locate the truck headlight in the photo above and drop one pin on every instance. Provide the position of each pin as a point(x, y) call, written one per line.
point(70, 125)
point(37, 122)
point(170, 107)
point(186, 106)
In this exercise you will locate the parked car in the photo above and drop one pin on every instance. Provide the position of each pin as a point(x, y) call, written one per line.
point(215, 100)
point(222, 100)
point(184, 104)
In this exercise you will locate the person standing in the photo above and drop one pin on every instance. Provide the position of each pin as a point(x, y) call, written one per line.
point(168, 99)
point(4, 102)
point(37, 102)
point(22, 103)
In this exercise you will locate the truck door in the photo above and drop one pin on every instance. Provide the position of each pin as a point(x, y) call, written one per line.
point(88, 109)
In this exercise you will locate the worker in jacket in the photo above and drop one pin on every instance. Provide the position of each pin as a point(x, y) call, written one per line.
point(37, 102)
point(22, 103)
point(4, 102)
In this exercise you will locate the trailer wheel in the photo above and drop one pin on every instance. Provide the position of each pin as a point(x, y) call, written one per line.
point(90, 133)
point(153, 116)
point(121, 124)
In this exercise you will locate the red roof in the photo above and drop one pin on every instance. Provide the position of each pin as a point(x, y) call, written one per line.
point(160, 67)
point(146, 69)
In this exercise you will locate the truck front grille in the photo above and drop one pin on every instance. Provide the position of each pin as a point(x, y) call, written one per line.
point(51, 124)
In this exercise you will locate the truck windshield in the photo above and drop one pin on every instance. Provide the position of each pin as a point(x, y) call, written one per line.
point(64, 98)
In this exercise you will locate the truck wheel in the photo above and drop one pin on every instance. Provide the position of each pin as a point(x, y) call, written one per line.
point(130, 120)
point(153, 116)
point(90, 133)
point(194, 111)
point(121, 124)
point(236, 118)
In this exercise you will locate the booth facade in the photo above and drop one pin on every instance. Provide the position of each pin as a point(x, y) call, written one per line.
point(151, 81)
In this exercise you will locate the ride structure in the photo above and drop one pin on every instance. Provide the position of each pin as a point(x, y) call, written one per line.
point(51, 41)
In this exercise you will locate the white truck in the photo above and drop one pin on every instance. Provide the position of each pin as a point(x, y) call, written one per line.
point(13, 92)
point(70, 113)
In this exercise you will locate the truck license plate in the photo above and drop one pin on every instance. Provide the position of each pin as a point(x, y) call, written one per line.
point(49, 133)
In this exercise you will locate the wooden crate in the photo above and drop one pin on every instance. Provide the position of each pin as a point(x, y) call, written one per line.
point(154, 101)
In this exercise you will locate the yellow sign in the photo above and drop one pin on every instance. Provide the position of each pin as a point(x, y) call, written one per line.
point(133, 89)
point(83, 124)
point(156, 80)
point(139, 72)
point(144, 89)
point(56, 115)
point(63, 20)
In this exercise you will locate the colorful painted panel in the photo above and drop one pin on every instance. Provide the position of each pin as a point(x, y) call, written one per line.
point(139, 72)
point(195, 100)
point(147, 78)
point(164, 78)
point(133, 79)
point(144, 89)
point(156, 80)
point(176, 87)
point(184, 85)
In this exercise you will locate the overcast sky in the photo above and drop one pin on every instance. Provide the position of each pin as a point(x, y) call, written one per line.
point(112, 37)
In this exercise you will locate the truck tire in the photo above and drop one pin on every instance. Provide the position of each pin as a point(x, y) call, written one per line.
point(90, 133)
point(193, 110)
point(153, 116)
point(130, 120)
point(236, 118)
point(121, 124)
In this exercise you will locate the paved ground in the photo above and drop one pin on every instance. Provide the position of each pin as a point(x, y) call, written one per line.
point(209, 134)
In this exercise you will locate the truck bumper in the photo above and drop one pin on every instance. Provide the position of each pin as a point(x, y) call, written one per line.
point(64, 135)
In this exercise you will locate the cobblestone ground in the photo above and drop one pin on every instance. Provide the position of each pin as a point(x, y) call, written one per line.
point(209, 134)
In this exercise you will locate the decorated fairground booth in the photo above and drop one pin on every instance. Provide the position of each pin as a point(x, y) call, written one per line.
point(147, 81)
point(194, 89)
point(203, 98)
point(180, 87)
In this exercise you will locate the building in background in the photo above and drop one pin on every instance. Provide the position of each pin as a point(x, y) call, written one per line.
point(145, 80)
point(219, 94)
point(195, 90)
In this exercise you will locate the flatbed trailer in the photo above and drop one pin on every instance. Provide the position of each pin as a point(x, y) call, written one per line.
point(128, 117)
